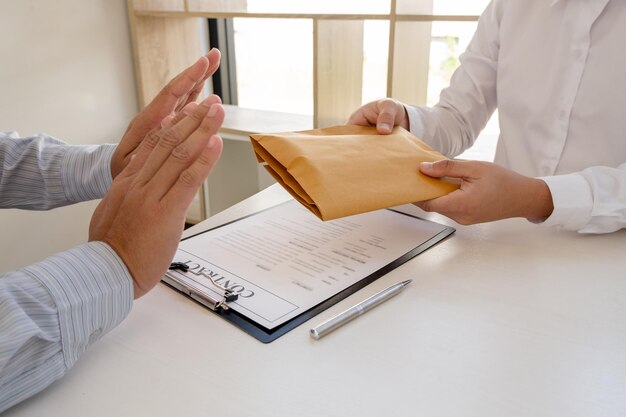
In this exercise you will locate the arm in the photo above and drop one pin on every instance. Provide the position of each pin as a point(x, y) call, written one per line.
point(590, 201)
point(41, 172)
point(465, 106)
point(487, 192)
point(50, 312)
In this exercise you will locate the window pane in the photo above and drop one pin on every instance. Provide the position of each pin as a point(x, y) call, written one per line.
point(293, 6)
point(449, 40)
point(375, 59)
point(320, 6)
point(442, 7)
point(286, 82)
point(274, 59)
point(459, 7)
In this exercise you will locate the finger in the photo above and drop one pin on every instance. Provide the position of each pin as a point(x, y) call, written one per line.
point(142, 153)
point(184, 154)
point(163, 142)
point(125, 146)
point(193, 95)
point(183, 191)
point(186, 111)
point(449, 168)
point(365, 115)
point(214, 57)
point(357, 118)
point(177, 117)
point(189, 108)
point(387, 115)
point(167, 122)
point(167, 100)
point(172, 119)
point(150, 140)
point(440, 205)
point(425, 205)
point(135, 163)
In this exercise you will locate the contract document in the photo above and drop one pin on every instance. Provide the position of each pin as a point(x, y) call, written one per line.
point(283, 261)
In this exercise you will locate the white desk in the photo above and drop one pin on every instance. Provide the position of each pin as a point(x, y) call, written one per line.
point(503, 319)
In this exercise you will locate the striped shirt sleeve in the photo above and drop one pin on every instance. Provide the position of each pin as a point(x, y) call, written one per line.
point(41, 172)
point(50, 312)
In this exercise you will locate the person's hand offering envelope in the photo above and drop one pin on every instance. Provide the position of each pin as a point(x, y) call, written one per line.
point(345, 170)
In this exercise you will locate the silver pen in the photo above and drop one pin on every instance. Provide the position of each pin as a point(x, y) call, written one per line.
point(339, 320)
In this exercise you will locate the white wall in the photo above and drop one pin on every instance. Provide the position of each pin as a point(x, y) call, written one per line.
point(66, 70)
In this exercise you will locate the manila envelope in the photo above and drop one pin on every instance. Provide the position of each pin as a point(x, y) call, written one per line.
point(344, 170)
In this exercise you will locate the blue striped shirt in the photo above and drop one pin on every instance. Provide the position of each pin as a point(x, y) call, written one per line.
point(50, 312)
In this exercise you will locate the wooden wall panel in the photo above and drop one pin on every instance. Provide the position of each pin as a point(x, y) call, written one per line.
point(415, 6)
point(338, 72)
point(409, 82)
point(218, 6)
point(164, 46)
point(410, 52)
point(159, 5)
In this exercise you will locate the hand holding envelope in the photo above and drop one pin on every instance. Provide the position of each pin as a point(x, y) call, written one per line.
point(345, 170)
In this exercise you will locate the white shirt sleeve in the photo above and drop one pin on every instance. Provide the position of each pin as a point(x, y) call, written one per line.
point(539, 138)
point(590, 201)
point(464, 108)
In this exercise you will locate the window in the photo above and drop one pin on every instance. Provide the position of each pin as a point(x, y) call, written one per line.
point(274, 64)
point(319, 59)
point(275, 55)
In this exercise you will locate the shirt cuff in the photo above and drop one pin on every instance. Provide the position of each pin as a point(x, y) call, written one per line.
point(572, 200)
point(86, 172)
point(416, 126)
point(92, 290)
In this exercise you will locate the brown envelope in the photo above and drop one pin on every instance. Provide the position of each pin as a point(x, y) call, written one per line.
point(344, 170)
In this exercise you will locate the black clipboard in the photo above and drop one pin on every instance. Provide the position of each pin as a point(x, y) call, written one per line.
point(266, 335)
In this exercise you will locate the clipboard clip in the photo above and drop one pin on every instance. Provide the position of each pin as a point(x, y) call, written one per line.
point(213, 303)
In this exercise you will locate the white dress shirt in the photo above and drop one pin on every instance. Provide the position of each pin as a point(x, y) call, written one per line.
point(50, 312)
point(557, 74)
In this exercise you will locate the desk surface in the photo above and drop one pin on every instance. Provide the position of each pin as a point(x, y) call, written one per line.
point(502, 319)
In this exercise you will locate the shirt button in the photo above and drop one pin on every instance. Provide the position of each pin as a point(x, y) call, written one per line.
point(577, 53)
point(562, 115)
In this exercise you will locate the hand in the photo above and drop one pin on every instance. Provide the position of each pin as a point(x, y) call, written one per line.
point(180, 91)
point(143, 214)
point(384, 114)
point(488, 192)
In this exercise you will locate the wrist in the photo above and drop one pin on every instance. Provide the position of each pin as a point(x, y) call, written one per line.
point(539, 198)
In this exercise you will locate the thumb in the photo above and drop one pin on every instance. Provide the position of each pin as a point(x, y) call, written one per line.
point(387, 114)
point(445, 168)
point(384, 123)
